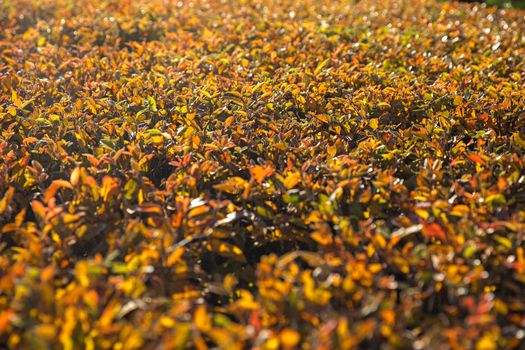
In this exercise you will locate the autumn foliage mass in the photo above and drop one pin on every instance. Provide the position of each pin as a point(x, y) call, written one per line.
point(261, 174)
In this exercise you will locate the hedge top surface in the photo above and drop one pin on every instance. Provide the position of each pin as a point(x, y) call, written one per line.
point(266, 174)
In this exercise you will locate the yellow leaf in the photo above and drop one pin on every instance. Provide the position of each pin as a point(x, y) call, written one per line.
point(11, 110)
point(313, 217)
point(321, 66)
point(459, 210)
point(201, 319)
point(497, 198)
point(81, 272)
point(226, 249)
point(174, 257)
point(331, 150)
point(505, 242)
point(246, 301)
point(422, 213)
point(487, 342)
point(75, 176)
point(157, 139)
point(45, 331)
point(68, 325)
point(292, 179)
point(41, 41)
point(518, 140)
point(167, 322)
point(230, 281)
point(323, 117)
point(271, 344)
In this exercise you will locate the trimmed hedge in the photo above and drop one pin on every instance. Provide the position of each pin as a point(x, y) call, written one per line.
point(260, 174)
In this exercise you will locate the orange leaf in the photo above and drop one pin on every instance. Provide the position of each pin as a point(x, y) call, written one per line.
point(92, 159)
point(4, 202)
point(289, 338)
point(476, 158)
point(198, 211)
point(5, 317)
point(150, 208)
point(47, 273)
point(322, 238)
point(54, 187)
point(109, 187)
point(259, 173)
point(29, 140)
point(228, 121)
point(39, 209)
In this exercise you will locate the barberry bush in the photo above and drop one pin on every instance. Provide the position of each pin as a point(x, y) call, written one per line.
point(261, 174)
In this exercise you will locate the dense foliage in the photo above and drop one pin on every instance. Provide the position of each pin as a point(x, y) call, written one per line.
point(266, 174)
point(501, 3)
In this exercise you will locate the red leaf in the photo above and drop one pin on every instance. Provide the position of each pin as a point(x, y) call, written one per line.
point(434, 230)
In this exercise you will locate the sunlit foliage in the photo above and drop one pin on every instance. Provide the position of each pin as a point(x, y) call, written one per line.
point(267, 174)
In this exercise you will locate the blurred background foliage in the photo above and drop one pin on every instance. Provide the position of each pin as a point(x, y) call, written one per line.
point(500, 3)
